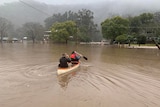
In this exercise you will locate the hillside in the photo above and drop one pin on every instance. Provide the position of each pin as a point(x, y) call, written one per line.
point(19, 13)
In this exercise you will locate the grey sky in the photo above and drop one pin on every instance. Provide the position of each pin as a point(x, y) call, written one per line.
point(148, 3)
point(59, 1)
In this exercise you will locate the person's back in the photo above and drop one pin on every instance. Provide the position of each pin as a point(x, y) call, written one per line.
point(74, 57)
point(64, 61)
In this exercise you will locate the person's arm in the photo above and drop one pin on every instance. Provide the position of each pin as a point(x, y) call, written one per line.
point(68, 60)
point(78, 54)
point(81, 56)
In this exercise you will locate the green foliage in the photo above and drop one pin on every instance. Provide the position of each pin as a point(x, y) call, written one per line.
point(146, 18)
point(61, 32)
point(135, 23)
point(121, 39)
point(130, 38)
point(111, 28)
point(138, 25)
point(83, 19)
point(86, 24)
point(60, 18)
point(156, 20)
point(158, 40)
point(141, 39)
point(84, 38)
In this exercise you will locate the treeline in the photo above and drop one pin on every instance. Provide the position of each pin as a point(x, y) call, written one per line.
point(80, 27)
point(68, 26)
point(141, 29)
point(73, 26)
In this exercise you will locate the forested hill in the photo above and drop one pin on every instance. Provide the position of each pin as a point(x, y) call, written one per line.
point(30, 11)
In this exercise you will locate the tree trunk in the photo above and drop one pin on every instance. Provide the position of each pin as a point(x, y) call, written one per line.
point(66, 41)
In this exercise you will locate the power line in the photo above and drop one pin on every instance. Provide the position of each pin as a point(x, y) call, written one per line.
point(34, 8)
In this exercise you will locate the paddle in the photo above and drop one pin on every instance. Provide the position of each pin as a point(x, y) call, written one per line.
point(85, 58)
point(82, 56)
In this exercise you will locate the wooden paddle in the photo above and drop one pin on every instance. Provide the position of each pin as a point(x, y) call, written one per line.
point(82, 56)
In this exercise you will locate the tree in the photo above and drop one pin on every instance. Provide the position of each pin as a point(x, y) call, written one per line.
point(130, 39)
point(140, 24)
point(61, 32)
point(146, 18)
point(111, 28)
point(86, 24)
point(121, 39)
point(135, 24)
point(4, 25)
point(141, 39)
point(156, 20)
point(34, 31)
point(69, 15)
point(83, 19)
point(53, 19)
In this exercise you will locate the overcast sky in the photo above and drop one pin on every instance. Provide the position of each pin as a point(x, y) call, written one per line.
point(59, 1)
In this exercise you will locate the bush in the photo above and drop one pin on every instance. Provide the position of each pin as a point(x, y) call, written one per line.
point(121, 39)
point(141, 39)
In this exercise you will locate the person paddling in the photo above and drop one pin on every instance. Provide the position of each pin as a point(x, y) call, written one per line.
point(64, 60)
point(75, 57)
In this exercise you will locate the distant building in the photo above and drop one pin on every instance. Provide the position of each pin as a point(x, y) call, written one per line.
point(46, 36)
point(5, 39)
point(25, 38)
point(9, 40)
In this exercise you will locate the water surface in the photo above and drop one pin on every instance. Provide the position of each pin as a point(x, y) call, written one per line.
point(112, 77)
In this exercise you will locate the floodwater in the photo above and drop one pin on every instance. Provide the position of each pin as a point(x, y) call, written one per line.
point(111, 77)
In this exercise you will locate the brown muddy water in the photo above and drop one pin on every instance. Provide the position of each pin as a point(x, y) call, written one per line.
point(112, 77)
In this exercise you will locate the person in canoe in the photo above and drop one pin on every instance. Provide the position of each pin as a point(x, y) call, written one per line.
point(64, 60)
point(75, 57)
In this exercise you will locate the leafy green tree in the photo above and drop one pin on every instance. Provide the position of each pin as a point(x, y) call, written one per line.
point(111, 28)
point(140, 24)
point(61, 32)
point(130, 39)
point(156, 20)
point(146, 18)
point(86, 24)
point(141, 39)
point(121, 39)
point(135, 24)
point(83, 19)
point(158, 40)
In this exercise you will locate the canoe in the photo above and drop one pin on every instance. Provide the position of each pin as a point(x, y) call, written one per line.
point(69, 69)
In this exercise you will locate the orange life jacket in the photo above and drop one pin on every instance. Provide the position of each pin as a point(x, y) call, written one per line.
point(73, 56)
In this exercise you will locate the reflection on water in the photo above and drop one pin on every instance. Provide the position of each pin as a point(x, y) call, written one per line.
point(112, 77)
point(64, 79)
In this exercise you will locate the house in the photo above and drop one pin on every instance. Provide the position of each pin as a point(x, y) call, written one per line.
point(9, 40)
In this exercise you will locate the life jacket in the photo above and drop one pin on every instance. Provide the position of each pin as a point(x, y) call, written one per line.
point(73, 56)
